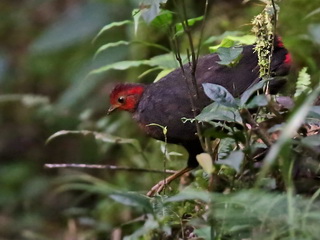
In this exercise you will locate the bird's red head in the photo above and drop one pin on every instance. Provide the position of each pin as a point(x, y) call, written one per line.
point(126, 96)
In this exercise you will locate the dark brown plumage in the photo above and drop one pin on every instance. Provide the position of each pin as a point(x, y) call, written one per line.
point(167, 101)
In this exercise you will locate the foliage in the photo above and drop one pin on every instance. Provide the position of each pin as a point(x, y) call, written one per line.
point(50, 54)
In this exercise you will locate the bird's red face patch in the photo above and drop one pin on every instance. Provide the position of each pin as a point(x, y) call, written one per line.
point(125, 97)
point(288, 59)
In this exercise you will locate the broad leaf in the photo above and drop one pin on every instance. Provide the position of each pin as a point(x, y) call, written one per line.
point(250, 91)
point(205, 161)
point(311, 141)
point(218, 112)
point(219, 94)
point(163, 20)
point(258, 101)
point(234, 160)
point(229, 56)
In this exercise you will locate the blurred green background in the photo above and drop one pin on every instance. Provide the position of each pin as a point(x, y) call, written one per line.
point(46, 54)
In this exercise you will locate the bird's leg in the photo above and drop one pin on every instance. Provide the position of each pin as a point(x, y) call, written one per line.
point(160, 185)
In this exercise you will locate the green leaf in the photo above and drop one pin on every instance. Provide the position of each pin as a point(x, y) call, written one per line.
point(165, 61)
point(234, 160)
point(226, 34)
point(104, 137)
point(258, 101)
point(152, 10)
point(119, 43)
point(314, 12)
point(303, 82)
point(219, 112)
point(148, 71)
point(229, 56)
point(311, 141)
point(132, 199)
point(250, 91)
point(203, 233)
point(163, 20)
point(112, 25)
point(150, 44)
point(219, 94)
point(122, 65)
point(191, 22)
point(149, 225)
point(163, 73)
point(205, 161)
point(190, 194)
point(225, 43)
point(110, 45)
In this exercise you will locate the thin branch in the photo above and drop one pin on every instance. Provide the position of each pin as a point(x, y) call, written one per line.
point(108, 167)
point(245, 114)
point(194, 92)
point(202, 28)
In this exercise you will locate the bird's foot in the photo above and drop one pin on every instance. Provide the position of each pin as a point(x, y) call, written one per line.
point(157, 188)
point(162, 184)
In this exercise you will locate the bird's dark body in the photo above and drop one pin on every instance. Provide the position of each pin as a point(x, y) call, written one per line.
point(168, 100)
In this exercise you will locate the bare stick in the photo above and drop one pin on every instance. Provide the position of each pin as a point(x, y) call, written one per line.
point(108, 167)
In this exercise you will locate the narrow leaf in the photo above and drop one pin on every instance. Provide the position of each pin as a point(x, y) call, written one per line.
point(111, 25)
point(123, 65)
point(104, 137)
point(110, 45)
point(191, 22)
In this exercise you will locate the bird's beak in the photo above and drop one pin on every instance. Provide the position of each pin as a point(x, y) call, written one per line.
point(111, 109)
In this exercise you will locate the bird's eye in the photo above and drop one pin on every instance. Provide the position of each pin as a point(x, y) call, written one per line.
point(121, 99)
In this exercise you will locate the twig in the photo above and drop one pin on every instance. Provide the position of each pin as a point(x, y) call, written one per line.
point(108, 167)
point(255, 127)
point(194, 92)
